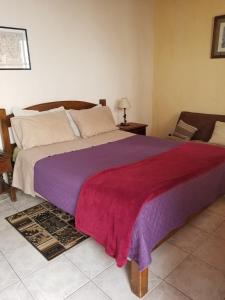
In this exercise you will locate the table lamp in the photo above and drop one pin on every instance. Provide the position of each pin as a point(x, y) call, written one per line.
point(124, 104)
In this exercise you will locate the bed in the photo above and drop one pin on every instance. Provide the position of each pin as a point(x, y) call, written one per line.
point(155, 220)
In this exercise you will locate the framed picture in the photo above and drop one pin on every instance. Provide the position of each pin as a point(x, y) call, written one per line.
point(218, 43)
point(14, 51)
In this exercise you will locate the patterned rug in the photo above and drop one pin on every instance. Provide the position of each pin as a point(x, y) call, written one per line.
point(49, 229)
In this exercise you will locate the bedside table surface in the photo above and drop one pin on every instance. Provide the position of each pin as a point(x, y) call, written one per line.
point(132, 125)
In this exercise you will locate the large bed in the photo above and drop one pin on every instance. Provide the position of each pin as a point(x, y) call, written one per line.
point(58, 172)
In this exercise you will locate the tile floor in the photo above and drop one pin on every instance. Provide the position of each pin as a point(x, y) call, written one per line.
point(189, 265)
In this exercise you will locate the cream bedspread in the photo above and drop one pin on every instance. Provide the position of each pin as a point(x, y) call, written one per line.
point(23, 175)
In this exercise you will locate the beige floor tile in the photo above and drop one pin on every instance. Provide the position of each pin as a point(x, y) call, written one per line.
point(165, 259)
point(192, 276)
point(5, 203)
point(10, 239)
point(218, 207)
point(88, 292)
point(90, 258)
point(7, 275)
point(213, 252)
point(189, 238)
point(3, 214)
point(114, 282)
point(153, 280)
point(207, 220)
point(25, 260)
point(4, 196)
point(56, 281)
point(220, 231)
point(15, 292)
point(165, 291)
point(198, 280)
point(25, 201)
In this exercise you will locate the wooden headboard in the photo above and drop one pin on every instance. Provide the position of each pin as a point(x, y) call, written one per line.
point(5, 122)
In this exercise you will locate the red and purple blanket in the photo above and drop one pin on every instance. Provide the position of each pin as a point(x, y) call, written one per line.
point(110, 201)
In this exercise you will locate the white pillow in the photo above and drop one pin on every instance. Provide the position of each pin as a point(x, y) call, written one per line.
point(19, 112)
point(73, 124)
point(93, 121)
point(218, 136)
point(42, 129)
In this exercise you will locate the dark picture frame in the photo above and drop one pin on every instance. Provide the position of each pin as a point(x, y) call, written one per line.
point(218, 42)
point(14, 49)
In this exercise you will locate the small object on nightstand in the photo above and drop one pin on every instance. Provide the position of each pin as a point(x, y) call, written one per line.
point(6, 167)
point(136, 128)
point(124, 104)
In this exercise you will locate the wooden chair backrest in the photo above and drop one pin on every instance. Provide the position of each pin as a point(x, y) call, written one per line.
point(204, 122)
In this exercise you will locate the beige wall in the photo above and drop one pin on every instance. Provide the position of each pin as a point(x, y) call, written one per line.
point(185, 78)
point(82, 49)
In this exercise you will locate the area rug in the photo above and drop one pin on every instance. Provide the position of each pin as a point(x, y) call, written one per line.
point(49, 229)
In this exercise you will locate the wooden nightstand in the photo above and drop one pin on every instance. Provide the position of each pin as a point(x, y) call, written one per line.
point(136, 128)
point(6, 167)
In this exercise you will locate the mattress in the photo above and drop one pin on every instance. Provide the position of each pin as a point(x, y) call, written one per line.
point(60, 182)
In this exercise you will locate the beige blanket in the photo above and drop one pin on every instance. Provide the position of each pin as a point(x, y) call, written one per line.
point(23, 175)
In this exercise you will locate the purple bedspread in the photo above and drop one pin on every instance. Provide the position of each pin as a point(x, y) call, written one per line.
point(59, 179)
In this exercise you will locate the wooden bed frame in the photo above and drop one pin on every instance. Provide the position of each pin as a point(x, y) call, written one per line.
point(138, 280)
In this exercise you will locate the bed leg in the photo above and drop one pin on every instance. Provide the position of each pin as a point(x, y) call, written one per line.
point(138, 280)
point(12, 189)
point(13, 194)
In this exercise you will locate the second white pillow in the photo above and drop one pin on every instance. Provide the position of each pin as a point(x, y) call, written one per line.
point(93, 121)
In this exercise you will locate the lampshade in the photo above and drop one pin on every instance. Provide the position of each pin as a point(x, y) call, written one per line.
point(123, 103)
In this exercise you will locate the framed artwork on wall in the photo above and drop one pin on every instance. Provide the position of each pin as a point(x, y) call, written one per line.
point(218, 42)
point(14, 50)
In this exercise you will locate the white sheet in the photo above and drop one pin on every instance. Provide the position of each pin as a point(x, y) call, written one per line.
point(23, 175)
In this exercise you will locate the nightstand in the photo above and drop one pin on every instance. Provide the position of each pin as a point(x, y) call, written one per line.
point(136, 128)
point(6, 167)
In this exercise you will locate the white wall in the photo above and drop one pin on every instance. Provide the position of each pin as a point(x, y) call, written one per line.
point(82, 49)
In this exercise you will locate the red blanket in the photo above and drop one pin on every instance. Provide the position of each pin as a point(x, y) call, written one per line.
point(110, 201)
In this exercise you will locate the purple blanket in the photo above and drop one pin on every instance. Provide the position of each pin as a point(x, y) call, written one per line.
point(59, 179)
